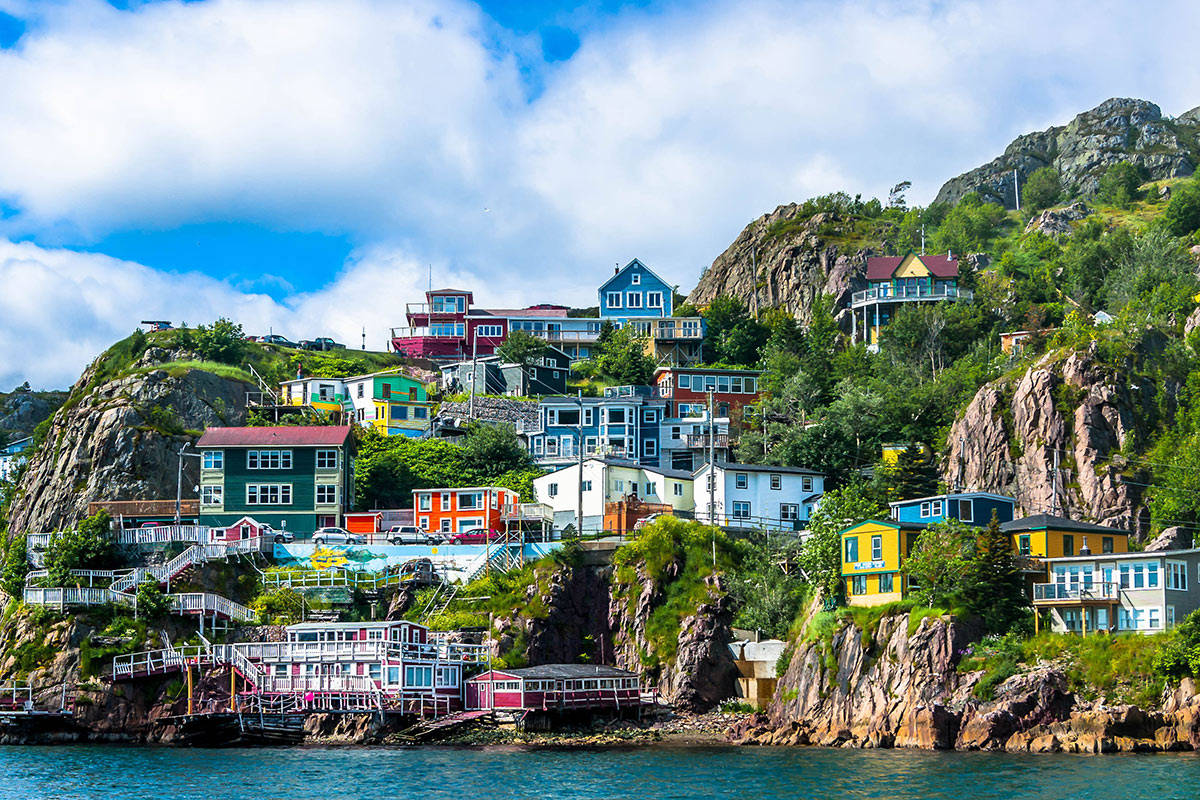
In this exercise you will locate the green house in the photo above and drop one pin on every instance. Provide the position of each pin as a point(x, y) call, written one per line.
point(296, 478)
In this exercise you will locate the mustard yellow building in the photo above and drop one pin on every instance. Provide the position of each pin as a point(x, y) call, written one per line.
point(873, 554)
point(1047, 536)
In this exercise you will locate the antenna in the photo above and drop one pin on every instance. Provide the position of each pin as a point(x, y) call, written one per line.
point(922, 238)
point(430, 279)
point(364, 335)
point(1017, 190)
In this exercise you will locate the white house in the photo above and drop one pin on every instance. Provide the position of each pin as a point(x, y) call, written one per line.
point(607, 481)
point(12, 455)
point(753, 496)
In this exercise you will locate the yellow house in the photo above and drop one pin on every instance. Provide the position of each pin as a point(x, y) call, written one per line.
point(873, 554)
point(893, 281)
point(1047, 536)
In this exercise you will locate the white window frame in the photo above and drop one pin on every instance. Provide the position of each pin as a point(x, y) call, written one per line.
point(464, 497)
point(425, 501)
point(269, 459)
point(925, 509)
point(552, 489)
point(214, 459)
point(283, 491)
point(613, 299)
point(216, 495)
point(789, 512)
point(649, 448)
point(490, 331)
point(326, 489)
point(969, 505)
point(740, 509)
point(654, 300)
point(649, 415)
point(938, 508)
point(327, 458)
point(806, 483)
point(635, 279)
point(633, 299)
point(677, 489)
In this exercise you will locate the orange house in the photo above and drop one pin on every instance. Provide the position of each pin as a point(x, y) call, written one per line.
point(458, 510)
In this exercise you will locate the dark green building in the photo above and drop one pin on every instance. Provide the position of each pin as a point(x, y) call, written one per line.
point(297, 478)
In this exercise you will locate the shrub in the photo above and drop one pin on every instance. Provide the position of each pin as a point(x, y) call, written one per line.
point(279, 606)
point(1042, 188)
point(152, 603)
point(88, 546)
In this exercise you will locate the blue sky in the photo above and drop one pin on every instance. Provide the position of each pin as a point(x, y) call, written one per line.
point(305, 165)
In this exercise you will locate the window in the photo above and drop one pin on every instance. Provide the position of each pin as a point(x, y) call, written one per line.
point(587, 486)
point(750, 385)
point(924, 509)
point(851, 550)
point(807, 483)
point(326, 494)
point(966, 510)
point(1177, 575)
point(214, 459)
point(360, 389)
point(1068, 545)
point(551, 446)
point(268, 459)
point(649, 415)
point(375, 672)
point(418, 676)
point(741, 509)
point(1154, 619)
point(877, 547)
point(633, 299)
point(1170, 616)
point(552, 490)
point(490, 330)
point(420, 412)
point(1106, 544)
point(616, 416)
point(858, 584)
point(677, 489)
point(936, 508)
point(424, 523)
point(589, 444)
point(424, 501)
point(212, 495)
point(387, 390)
point(470, 501)
point(741, 480)
point(445, 501)
point(789, 512)
point(1023, 544)
point(723, 384)
point(887, 582)
point(676, 432)
point(399, 412)
point(268, 494)
point(649, 448)
point(650, 490)
point(776, 482)
point(327, 459)
point(654, 300)
point(619, 485)
point(685, 381)
point(446, 525)
point(635, 279)
point(613, 299)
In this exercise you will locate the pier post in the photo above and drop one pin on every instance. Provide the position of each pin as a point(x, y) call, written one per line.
point(189, 687)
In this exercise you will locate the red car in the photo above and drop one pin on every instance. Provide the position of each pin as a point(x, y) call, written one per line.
point(475, 536)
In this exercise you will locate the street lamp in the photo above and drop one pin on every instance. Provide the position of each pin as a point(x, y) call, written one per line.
point(179, 479)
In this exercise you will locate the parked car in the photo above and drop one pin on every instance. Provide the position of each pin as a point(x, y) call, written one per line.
point(475, 536)
point(650, 520)
point(411, 534)
point(337, 536)
point(278, 537)
point(276, 339)
point(321, 343)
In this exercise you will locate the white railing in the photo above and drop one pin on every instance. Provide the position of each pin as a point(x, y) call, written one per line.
point(907, 293)
point(16, 694)
point(207, 603)
point(91, 575)
point(162, 534)
point(1075, 592)
point(529, 511)
point(63, 597)
point(38, 541)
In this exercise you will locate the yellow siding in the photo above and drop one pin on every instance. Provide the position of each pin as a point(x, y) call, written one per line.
point(911, 267)
point(1049, 543)
point(872, 569)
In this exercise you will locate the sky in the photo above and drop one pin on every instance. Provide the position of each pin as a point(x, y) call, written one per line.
point(307, 167)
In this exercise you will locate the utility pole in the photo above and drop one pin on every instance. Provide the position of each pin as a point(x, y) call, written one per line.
point(1017, 190)
point(922, 238)
point(179, 484)
point(1054, 499)
point(712, 475)
point(474, 363)
point(579, 482)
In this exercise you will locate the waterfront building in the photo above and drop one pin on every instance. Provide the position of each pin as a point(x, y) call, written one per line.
point(554, 687)
point(297, 478)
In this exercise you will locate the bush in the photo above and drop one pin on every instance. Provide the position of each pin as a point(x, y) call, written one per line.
point(1182, 215)
point(223, 341)
point(1042, 188)
point(279, 606)
point(88, 546)
point(1119, 185)
point(152, 603)
point(16, 567)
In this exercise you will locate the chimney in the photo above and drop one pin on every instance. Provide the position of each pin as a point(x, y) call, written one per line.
point(1084, 550)
point(616, 270)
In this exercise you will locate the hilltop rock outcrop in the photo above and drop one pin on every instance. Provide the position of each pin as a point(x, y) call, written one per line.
point(782, 260)
point(1074, 409)
point(1120, 129)
point(117, 439)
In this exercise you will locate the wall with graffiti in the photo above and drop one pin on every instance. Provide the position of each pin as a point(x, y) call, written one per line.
point(453, 561)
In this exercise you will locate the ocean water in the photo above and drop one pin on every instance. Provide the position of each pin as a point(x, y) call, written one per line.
point(645, 773)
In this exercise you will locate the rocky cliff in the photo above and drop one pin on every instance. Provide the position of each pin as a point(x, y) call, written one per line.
point(899, 686)
point(784, 259)
point(21, 410)
point(116, 438)
point(1071, 410)
point(1120, 129)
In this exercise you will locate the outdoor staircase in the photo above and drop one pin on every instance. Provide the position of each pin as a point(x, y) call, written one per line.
point(439, 601)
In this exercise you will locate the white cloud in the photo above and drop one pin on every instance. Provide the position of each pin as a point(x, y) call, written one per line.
point(399, 123)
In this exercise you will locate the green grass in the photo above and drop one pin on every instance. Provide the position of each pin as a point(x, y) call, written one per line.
point(177, 369)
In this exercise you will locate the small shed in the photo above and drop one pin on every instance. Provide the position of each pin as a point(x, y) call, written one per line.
point(364, 521)
point(244, 528)
point(555, 687)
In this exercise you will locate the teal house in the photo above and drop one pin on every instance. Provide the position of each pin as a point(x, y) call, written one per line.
point(296, 478)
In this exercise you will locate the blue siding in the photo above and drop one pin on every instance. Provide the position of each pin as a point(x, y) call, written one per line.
point(981, 507)
point(635, 432)
point(636, 279)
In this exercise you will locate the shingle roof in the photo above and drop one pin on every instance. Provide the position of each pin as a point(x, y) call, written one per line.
point(568, 671)
point(493, 409)
point(880, 268)
point(282, 436)
point(763, 468)
point(1037, 522)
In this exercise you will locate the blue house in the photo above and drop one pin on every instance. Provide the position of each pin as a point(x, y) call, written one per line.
point(635, 292)
point(624, 424)
point(973, 508)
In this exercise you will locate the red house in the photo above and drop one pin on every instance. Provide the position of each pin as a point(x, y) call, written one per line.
point(687, 390)
point(436, 328)
point(458, 510)
point(554, 687)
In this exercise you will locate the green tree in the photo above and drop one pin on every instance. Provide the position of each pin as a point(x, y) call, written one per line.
point(821, 557)
point(768, 598)
point(521, 348)
point(970, 226)
point(622, 358)
point(993, 588)
point(223, 341)
point(732, 335)
point(1182, 215)
point(152, 603)
point(940, 562)
point(88, 546)
point(914, 475)
point(1119, 185)
point(1042, 188)
point(1155, 276)
point(16, 566)
point(491, 449)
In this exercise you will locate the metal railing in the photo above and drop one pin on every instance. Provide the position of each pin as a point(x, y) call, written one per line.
point(908, 293)
point(207, 603)
point(537, 512)
point(64, 597)
point(1075, 592)
point(16, 695)
point(162, 534)
point(702, 440)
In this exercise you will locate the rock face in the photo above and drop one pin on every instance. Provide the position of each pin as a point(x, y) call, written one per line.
point(1007, 439)
point(1057, 221)
point(903, 689)
point(21, 411)
point(118, 439)
point(1120, 129)
point(781, 260)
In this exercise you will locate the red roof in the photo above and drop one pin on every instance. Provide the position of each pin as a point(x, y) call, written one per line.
point(284, 436)
point(880, 268)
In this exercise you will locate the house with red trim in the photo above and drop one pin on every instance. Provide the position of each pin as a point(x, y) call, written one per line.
point(555, 687)
point(458, 510)
point(686, 428)
point(893, 281)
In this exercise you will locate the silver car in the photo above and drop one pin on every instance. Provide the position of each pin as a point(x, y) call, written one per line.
point(337, 536)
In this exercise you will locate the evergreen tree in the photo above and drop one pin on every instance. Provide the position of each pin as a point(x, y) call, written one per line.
point(993, 588)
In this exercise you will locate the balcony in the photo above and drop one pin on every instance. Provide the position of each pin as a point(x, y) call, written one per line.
point(568, 337)
point(670, 329)
point(435, 310)
point(1074, 593)
point(424, 333)
point(904, 294)
point(721, 440)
